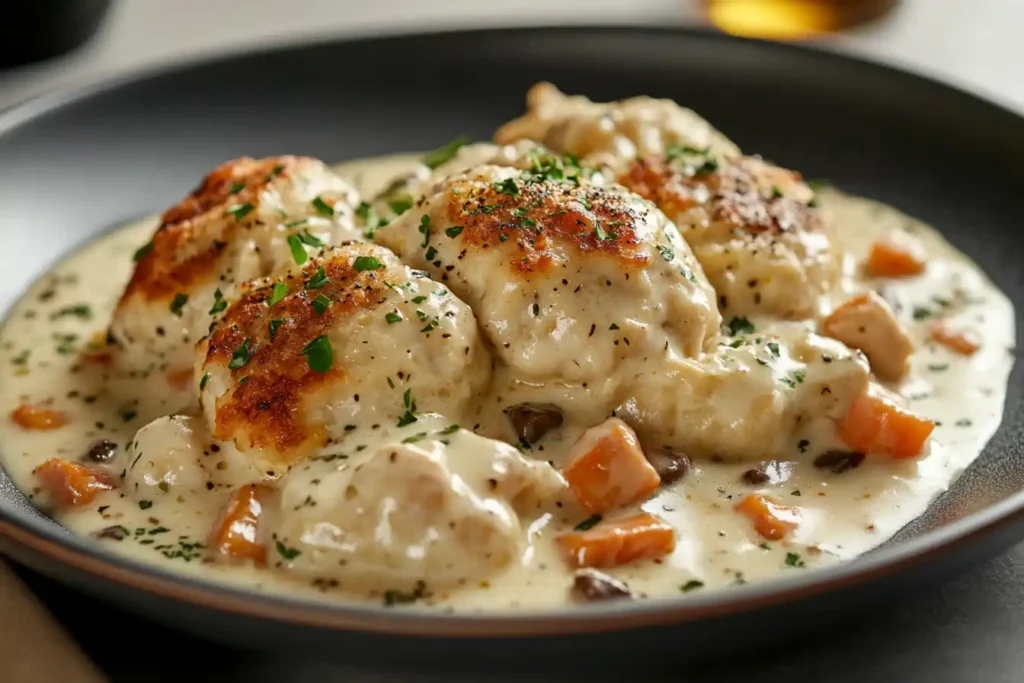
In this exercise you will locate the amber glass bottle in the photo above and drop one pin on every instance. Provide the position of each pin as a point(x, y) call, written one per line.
point(792, 19)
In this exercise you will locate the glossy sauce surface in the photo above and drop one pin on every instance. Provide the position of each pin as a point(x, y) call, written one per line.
point(842, 514)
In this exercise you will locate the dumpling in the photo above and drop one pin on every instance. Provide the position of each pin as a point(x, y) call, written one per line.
point(774, 394)
point(754, 227)
point(570, 281)
point(352, 338)
point(430, 507)
point(610, 133)
point(246, 219)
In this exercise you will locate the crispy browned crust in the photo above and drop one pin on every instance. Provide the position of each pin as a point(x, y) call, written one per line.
point(267, 406)
point(733, 195)
point(541, 215)
point(183, 252)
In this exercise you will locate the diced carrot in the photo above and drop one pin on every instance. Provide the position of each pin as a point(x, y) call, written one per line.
point(889, 259)
point(771, 519)
point(236, 533)
point(179, 378)
point(955, 340)
point(72, 483)
point(877, 425)
point(609, 544)
point(608, 469)
point(38, 418)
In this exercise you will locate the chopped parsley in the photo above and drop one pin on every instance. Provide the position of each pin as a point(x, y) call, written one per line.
point(507, 186)
point(319, 279)
point(773, 348)
point(286, 552)
point(444, 153)
point(274, 324)
point(178, 303)
point(145, 504)
point(367, 263)
point(204, 381)
point(400, 205)
point(393, 317)
point(793, 560)
point(409, 416)
point(798, 376)
point(453, 231)
point(277, 293)
point(599, 231)
point(419, 299)
point(141, 252)
point(295, 224)
point(922, 313)
point(776, 192)
point(322, 207)
point(219, 303)
point(239, 211)
point(666, 253)
point(128, 414)
point(588, 523)
point(425, 229)
point(240, 358)
point(83, 311)
point(319, 354)
point(312, 240)
point(415, 437)
point(298, 251)
point(320, 304)
point(431, 253)
point(236, 188)
point(739, 326)
point(397, 597)
point(450, 429)
point(613, 326)
point(691, 585)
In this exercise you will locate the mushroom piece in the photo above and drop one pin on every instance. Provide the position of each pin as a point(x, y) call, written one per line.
point(594, 586)
point(531, 421)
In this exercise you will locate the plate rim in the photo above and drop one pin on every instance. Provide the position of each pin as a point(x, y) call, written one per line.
point(57, 544)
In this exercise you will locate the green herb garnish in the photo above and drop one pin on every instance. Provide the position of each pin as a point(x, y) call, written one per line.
point(319, 354)
point(444, 153)
point(322, 207)
point(241, 355)
point(178, 303)
point(277, 293)
point(367, 263)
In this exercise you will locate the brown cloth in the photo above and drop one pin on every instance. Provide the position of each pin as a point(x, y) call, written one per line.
point(33, 646)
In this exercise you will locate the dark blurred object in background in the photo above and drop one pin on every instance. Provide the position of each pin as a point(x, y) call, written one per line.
point(792, 19)
point(34, 30)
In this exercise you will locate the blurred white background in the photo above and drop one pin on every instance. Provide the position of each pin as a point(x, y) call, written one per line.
point(973, 43)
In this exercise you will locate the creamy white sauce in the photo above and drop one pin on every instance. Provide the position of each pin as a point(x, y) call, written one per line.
point(842, 515)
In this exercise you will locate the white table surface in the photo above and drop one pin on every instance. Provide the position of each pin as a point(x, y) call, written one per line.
point(973, 43)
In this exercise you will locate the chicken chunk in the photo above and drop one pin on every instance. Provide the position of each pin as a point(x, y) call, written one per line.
point(429, 503)
point(246, 219)
point(610, 134)
point(569, 281)
point(176, 453)
point(754, 227)
point(354, 338)
point(867, 322)
point(757, 398)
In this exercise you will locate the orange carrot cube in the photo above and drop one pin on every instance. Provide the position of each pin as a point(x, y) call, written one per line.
point(771, 519)
point(236, 534)
point(889, 259)
point(955, 340)
point(612, 543)
point(877, 425)
point(607, 468)
point(71, 483)
point(38, 418)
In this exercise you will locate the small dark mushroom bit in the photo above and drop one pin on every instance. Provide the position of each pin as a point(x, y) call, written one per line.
point(756, 476)
point(669, 465)
point(101, 451)
point(838, 461)
point(593, 585)
point(531, 421)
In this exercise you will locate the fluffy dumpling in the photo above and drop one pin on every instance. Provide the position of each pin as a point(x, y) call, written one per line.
point(352, 338)
point(775, 394)
point(431, 507)
point(610, 133)
point(247, 218)
point(569, 281)
point(754, 227)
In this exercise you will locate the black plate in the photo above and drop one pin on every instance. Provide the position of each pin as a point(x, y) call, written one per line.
point(74, 165)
